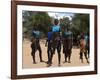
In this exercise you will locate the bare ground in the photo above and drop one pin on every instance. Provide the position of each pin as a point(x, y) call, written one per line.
point(28, 63)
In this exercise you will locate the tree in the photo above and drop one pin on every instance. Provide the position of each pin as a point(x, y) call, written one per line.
point(65, 23)
point(80, 23)
point(40, 20)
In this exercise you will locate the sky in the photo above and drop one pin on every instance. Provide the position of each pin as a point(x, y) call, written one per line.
point(59, 15)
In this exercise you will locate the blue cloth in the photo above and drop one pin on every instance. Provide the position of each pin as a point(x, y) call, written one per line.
point(56, 28)
point(86, 38)
point(36, 34)
point(68, 34)
point(50, 35)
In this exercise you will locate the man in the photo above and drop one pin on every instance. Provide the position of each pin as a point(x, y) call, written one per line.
point(36, 45)
point(56, 40)
point(67, 44)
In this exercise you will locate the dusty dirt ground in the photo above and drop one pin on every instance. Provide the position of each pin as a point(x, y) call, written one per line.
point(28, 63)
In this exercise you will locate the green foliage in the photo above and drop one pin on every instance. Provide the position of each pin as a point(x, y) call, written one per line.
point(42, 21)
point(39, 20)
point(65, 23)
point(80, 23)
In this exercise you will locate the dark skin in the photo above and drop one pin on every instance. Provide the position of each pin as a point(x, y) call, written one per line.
point(49, 49)
point(83, 50)
point(35, 46)
point(67, 47)
point(55, 41)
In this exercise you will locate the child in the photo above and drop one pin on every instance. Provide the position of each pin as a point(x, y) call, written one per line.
point(83, 48)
